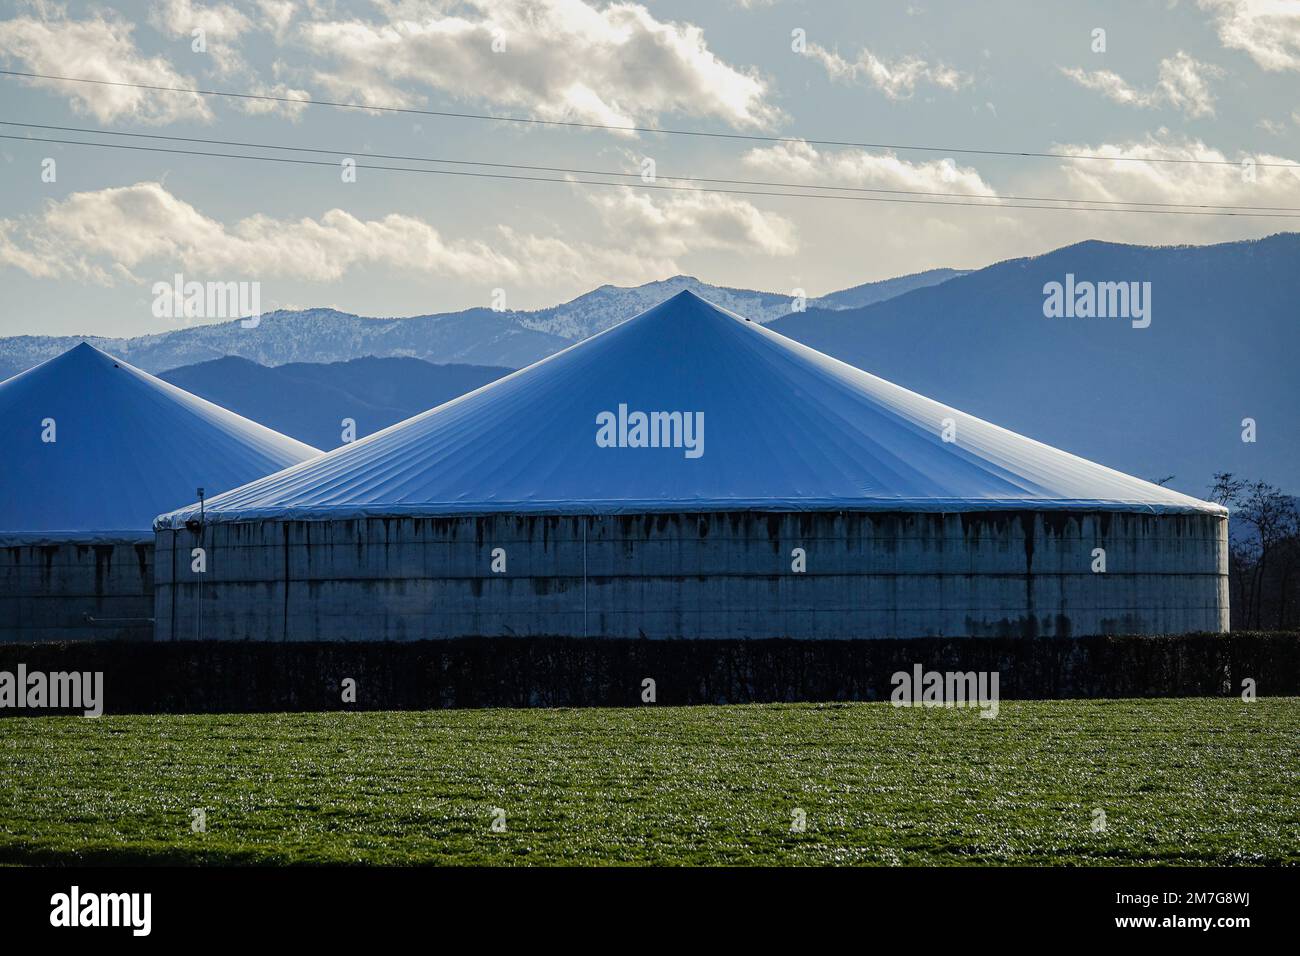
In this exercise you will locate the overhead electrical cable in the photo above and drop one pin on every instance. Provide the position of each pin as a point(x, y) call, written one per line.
point(637, 175)
point(575, 124)
point(568, 180)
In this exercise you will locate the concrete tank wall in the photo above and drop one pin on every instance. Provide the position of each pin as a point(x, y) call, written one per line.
point(76, 591)
point(697, 575)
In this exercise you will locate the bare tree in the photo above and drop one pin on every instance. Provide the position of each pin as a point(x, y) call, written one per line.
point(1266, 562)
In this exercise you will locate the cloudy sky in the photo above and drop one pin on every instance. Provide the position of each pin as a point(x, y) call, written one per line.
point(1193, 80)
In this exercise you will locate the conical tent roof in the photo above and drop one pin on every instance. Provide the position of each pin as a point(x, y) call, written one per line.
point(126, 447)
point(785, 428)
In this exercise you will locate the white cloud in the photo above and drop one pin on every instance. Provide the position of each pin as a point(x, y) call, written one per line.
point(179, 18)
point(897, 80)
point(224, 26)
point(221, 25)
point(845, 243)
point(140, 232)
point(1267, 30)
point(103, 48)
point(805, 164)
point(1200, 174)
point(680, 223)
point(290, 101)
point(562, 59)
point(1109, 84)
point(135, 226)
point(1153, 170)
point(223, 22)
point(1183, 84)
point(21, 258)
point(561, 264)
point(277, 15)
point(99, 48)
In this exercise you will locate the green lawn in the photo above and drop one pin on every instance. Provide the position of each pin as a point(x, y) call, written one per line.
point(1180, 781)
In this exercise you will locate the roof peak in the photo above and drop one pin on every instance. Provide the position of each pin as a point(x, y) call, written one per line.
point(685, 309)
point(85, 351)
point(687, 298)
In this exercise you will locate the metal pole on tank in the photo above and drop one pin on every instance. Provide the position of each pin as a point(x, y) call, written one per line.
point(202, 522)
point(584, 575)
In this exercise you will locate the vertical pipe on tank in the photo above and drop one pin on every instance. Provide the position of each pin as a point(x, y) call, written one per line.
point(584, 575)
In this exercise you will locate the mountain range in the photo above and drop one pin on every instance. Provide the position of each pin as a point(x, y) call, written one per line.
point(1169, 399)
point(477, 336)
point(1168, 402)
point(310, 401)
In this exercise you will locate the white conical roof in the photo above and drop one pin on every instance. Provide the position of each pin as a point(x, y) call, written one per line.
point(786, 428)
point(126, 447)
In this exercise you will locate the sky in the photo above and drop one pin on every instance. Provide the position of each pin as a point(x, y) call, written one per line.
point(1131, 81)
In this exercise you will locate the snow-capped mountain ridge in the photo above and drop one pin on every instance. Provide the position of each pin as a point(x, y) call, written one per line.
point(476, 336)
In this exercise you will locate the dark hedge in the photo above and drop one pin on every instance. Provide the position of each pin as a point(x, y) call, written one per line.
point(222, 676)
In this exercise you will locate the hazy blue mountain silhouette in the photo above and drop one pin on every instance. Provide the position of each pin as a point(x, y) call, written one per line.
point(870, 293)
point(1165, 400)
point(309, 401)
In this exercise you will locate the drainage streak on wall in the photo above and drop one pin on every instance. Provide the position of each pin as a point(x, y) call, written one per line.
point(76, 590)
point(713, 575)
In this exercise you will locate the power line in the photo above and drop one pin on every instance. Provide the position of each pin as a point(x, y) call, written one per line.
point(599, 172)
point(697, 189)
point(573, 124)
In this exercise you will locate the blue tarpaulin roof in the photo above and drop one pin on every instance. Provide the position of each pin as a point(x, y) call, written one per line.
point(126, 446)
point(784, 428)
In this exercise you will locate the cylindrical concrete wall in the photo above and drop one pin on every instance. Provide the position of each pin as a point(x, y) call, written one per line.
point(76, 591)
point(722, 575)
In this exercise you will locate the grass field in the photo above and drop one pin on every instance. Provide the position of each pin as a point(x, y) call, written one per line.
point(1180, 781)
